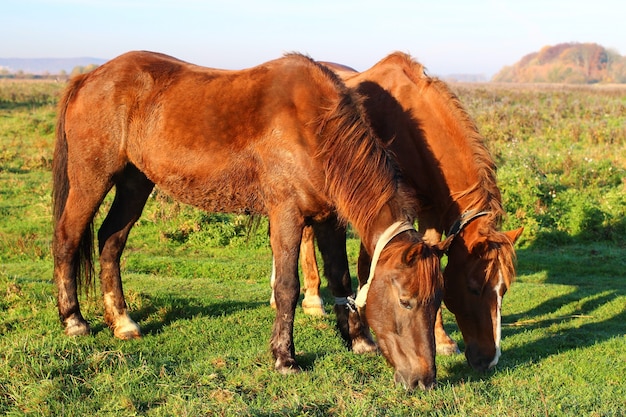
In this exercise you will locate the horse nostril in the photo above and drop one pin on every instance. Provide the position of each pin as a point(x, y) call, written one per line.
point(429, 386)
point(479, 362)
point(411, 382)
point(399, 379)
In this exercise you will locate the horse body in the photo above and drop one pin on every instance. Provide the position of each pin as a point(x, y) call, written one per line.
point(285, 139)
point(445, 162)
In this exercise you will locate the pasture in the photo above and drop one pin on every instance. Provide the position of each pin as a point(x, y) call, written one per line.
point(198, 285)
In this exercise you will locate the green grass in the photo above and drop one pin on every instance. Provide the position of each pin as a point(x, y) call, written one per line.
point(198, 285)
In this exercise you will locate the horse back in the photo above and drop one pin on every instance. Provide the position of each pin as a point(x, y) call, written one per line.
point(424, 125)
point(216, 134)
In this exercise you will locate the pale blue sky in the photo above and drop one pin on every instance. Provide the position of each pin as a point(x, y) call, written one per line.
point(469, 36)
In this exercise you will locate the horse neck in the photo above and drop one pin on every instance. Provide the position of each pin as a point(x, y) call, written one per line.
point(454, 164)
point(390, 213)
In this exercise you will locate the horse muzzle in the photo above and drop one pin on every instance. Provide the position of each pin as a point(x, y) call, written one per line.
point(411, 381)
point(480, 361)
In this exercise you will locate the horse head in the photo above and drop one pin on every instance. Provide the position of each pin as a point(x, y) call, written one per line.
point(402, 303)
point(480, 270)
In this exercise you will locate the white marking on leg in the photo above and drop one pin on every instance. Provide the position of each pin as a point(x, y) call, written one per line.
point(313, 305)
point(123, 326)
point(74, 327)
point(126, 328)
point(272, 281)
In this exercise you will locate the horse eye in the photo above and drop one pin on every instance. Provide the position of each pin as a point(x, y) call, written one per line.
point(406, 304)
point(475, 291)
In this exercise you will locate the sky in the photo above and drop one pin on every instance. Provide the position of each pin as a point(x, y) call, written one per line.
point(448, 37)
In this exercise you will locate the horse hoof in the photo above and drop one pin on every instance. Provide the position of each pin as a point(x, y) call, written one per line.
point(314, 306)
point(289, 367)
point(314, 310)
point(448, 349)
point(77, 328)
point(361, 346)
point(128, 335)
point(127, 330)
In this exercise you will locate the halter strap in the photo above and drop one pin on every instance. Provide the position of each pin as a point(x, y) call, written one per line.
point(389, 233)
point(466, 218)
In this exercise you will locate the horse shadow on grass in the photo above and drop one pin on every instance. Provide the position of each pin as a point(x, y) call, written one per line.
point(591, 276)
point(154, 313)
point(158, 312)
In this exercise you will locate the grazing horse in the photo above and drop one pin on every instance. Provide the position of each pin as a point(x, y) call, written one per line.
point(285, 139)
point(444, 160)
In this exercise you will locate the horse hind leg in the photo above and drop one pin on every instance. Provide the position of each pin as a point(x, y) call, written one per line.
point(72, 251)
point(312, 304)
point(132, 190)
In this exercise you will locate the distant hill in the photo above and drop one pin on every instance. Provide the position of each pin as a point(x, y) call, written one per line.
point(40, 66)
point(571, 63)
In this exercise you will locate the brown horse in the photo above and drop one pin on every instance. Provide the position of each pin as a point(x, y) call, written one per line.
point(284, 139)
point(444, 160)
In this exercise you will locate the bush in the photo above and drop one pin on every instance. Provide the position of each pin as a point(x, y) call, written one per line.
point(561, 159)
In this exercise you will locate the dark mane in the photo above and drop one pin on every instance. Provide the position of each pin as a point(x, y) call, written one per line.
point(361, 177)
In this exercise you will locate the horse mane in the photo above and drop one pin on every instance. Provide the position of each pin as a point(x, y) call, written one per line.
point(361, 176)
point(501, 258)
point(484, 195)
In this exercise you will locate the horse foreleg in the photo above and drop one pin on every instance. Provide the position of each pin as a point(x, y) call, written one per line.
point(272, 281)
point(285, 242)
point(331, 240)
point(130, 197)
point(363, 269)
point(312, 303)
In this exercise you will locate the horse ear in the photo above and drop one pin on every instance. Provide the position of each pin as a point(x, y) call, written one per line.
point(412, 253)
point(479, 246)
point(513, 235)
point(442, 247)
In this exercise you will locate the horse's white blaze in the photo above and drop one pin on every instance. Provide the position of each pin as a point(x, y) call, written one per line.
point(497, 320)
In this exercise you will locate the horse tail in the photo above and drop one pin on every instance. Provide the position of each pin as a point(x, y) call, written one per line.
point(82, 263)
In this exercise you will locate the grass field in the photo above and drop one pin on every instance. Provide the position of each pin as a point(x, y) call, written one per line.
point(199, 287)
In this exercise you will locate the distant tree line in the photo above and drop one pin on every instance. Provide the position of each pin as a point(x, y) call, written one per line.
point(61, 75)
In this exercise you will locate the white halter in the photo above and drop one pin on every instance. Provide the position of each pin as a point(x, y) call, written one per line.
point(389, 233)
